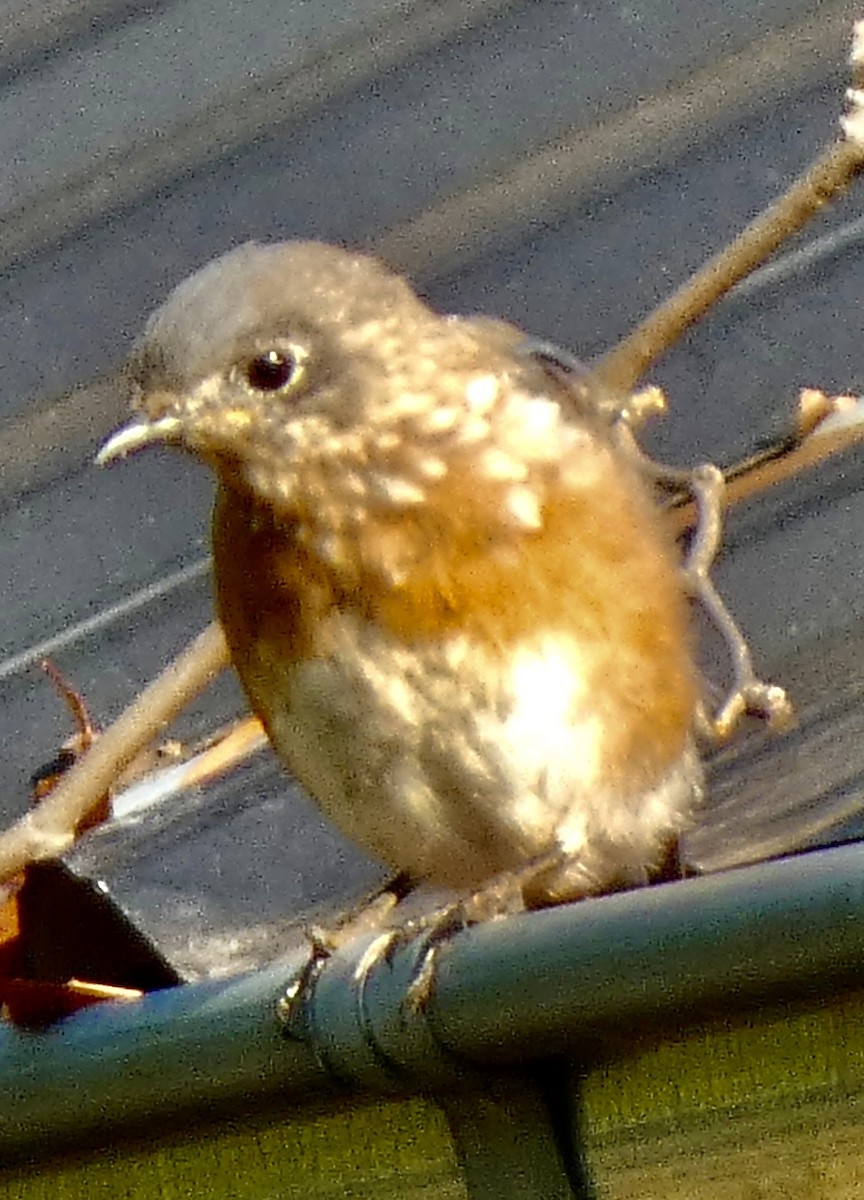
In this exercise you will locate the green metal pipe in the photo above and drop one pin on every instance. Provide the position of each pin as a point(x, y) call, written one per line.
point(180, 1049)
point(545, 981)
point(582, 977)
point(509, 991)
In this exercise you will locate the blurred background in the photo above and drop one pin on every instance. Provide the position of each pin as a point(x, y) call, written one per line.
point(564, 165)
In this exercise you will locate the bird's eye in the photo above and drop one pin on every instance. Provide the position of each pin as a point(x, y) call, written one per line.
point(271, 371)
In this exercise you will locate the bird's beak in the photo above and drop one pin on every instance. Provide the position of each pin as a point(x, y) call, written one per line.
point(137, 434)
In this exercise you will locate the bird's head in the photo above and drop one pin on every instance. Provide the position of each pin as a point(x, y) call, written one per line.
point(315, 380)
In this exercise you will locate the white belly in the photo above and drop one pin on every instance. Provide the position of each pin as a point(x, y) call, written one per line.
point(454, 766)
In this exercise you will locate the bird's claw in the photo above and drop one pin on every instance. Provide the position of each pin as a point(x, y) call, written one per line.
point(291, 1005)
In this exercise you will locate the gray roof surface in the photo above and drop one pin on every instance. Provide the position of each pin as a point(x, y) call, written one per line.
point(561, 165)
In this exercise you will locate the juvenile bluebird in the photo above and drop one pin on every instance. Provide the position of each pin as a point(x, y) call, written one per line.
point(449, 594)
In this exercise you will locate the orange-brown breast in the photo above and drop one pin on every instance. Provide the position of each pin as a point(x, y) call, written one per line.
point(601, 569)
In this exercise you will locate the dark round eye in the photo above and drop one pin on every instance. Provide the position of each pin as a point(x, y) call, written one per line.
point(271, 371)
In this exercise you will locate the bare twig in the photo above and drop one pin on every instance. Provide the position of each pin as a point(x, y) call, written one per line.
point(774, 466)
point(709, 492)
point(625, 364)
point(86, 732)
point(49, 830)
point(812, 452)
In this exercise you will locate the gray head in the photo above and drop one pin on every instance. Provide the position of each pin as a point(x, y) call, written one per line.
point(316, 380)
point(254, 298)
point(298, 359)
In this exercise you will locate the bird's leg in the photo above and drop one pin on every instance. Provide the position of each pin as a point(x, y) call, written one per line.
point(365, 916)
point(516, 891)
point(503, 896)
point(670, 867)
point(526, 889)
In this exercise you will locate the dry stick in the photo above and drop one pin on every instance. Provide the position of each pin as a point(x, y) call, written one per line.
point(48, 831)
point(812, 452)
point(752, 479)
point(625, 364)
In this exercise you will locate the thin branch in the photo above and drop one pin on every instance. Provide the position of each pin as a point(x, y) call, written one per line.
point(773, 466)
point(48, 831)
point(811, 453)
point(625, 364)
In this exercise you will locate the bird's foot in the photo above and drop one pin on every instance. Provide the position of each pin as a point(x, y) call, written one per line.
point(368, 915)
point(428, 932)
point(503, 896)
point(325, 940)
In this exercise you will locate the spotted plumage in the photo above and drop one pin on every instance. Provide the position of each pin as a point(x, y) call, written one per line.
point(447, 592)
